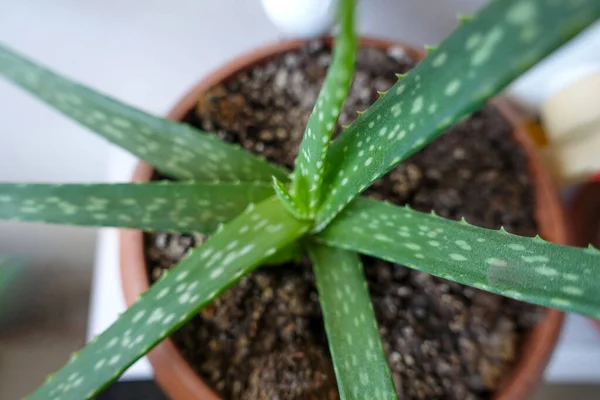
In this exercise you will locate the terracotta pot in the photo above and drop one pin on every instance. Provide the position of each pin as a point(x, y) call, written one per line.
point(180, 382)
point(584, 219)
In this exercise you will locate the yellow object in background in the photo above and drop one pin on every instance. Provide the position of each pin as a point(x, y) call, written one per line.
point(571, 125)
point(536, 132)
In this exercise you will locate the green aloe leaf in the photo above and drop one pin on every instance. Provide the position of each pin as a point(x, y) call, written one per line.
point(173, 148)
point(528, 269)
point(475, 62)
point(172, 206)
point(359, 361)
point(290, 202)
point(210, 269)
point(309, 168)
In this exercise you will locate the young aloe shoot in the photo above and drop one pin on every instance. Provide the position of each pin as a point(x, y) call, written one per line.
point(266, 217)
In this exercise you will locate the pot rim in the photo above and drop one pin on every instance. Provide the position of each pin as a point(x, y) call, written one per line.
point(584, 220)
point(177, 378)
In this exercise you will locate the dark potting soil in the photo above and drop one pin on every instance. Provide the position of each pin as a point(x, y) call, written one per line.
point(264, 337)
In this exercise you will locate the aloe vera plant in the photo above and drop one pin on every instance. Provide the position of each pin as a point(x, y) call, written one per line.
point(256, 212)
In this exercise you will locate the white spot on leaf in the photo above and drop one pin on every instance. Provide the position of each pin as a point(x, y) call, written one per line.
point(486, 49)
point(572, 290)
point(114, 359)
point(571, 277)
point(532, 259)
point(452, 87)
point(400, 89)
point(496, 262)
point(417, 105)
point(439, 60)
point(546, 271)
point(458, 257)
point(521, 13)
point(217, 272)
point(463, 245)
point(382, 238)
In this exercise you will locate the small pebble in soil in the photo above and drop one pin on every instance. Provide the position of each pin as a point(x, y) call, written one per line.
point(264, 337)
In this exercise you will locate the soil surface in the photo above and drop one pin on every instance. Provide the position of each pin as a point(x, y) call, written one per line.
point(264, 338)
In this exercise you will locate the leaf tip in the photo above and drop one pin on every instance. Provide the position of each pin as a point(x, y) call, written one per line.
point(430, 49)
point(592, 250)
point(464, 18)
point(289, 202)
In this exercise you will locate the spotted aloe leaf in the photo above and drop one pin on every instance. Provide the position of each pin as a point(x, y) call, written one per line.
point(173, 148)
point(172, 206)
point(475, 62)
point(206, 272)
point(290, 202)
point(528, 269)
point(309, 167)
point(359, 361)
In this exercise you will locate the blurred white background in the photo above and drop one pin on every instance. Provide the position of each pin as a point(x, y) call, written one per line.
point(147, 53)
